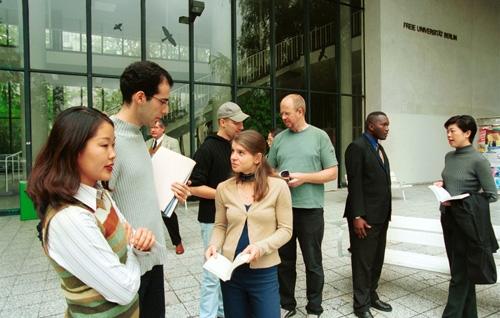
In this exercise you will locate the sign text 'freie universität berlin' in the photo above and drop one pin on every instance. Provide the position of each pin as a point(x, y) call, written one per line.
point(429, 31)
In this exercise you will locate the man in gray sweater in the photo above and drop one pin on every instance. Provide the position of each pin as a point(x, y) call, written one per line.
point(145, 88)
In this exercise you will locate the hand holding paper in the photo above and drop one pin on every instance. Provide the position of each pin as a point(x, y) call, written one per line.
point(223, 268)
point(443, 196)
point(171, 169)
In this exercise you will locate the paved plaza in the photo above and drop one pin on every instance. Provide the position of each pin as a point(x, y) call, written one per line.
point(30, 288)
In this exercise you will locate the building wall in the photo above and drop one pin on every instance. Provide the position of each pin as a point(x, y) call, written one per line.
point(420, 80)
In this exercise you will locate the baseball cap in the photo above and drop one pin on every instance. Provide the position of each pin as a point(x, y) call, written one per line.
point(232, 111)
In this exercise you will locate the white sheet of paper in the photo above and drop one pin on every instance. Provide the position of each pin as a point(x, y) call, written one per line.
point(442, 195)
point(222, 267)
point(169, 167)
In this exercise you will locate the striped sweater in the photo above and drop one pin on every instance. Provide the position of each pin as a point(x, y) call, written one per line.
point(83, 300)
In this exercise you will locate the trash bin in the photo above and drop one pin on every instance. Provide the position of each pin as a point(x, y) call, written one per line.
point(25, 203)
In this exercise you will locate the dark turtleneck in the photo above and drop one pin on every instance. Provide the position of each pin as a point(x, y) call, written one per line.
point(467, 171)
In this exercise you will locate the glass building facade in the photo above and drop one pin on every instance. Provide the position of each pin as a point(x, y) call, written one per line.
point(60, 53)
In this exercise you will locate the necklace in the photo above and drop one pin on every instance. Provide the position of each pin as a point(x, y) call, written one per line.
point(246, 177)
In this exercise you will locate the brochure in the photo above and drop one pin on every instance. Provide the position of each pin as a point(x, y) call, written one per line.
point(169, 167)
point(222, 267)
point(442, 195)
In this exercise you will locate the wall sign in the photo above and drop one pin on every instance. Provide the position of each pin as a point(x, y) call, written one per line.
point(429, 31)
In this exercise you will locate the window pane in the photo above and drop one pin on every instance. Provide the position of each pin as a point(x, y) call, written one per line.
point(357, 51)
point(212, 40)
point(258, 104)
point(12, 138)
point(322, 52)
point(116, 35)
point(253, 34)
point(106, 95)
point(323, 108)
point(11, 34)
point(167, 39)
point(207, 101)
point(50, 94)
point(56, 30)
point(289, 44)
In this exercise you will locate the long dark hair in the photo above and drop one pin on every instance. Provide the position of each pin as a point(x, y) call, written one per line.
point(254, 143)
point(55, 177)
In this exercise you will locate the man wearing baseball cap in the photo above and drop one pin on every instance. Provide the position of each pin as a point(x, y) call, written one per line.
point(213, 165)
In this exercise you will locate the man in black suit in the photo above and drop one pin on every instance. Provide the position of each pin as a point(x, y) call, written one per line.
point(368, 211)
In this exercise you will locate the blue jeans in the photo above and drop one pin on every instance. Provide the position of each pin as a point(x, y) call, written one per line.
point(210, 293)
point(252, 293)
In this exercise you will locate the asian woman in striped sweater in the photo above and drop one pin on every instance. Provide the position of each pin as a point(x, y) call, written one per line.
point(87, 239)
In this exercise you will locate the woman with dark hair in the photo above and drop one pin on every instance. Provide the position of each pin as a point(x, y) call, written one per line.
point(253, 216)
point(271, 134)
point(465, 171)
point(88, 241)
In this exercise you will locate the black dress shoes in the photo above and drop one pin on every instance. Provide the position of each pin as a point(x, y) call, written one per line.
point(364, 314)
point(380, 305)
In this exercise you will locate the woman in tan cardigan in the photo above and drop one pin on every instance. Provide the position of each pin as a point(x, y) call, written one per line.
point(253, 216)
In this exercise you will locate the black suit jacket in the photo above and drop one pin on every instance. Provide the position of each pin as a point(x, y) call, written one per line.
point(368, 182)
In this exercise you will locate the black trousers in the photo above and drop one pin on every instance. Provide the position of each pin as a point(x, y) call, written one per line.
point(461, 292)
point(172, 224)
point(151, 294)
point(308, 229)
point(367, 258)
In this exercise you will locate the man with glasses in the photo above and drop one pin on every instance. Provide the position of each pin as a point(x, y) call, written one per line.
point(213, 165)
point(145, 88)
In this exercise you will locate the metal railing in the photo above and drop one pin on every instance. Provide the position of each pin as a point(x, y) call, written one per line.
point(288, 51)
point(12, 161)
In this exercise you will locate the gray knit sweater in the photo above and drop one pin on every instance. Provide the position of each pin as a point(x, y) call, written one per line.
point(466, 171)
point(133, 188)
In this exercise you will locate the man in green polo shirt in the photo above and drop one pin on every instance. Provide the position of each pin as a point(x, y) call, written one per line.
point(308, 154)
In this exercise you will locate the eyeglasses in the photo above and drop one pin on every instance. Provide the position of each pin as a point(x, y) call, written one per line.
point(163, 101)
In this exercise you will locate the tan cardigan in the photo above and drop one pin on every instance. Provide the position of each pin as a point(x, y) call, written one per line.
point(269, 221)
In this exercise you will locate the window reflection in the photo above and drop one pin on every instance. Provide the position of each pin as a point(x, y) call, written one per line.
point(322, 49)
point(11, 52)
point(116, 35)
point(51, 94)
point(56, 33)
point(167, 41)
point(106, 95)
point(258, 104)
point(289, 44)
point(253, 34)
point(212, 39)
point(208, 98)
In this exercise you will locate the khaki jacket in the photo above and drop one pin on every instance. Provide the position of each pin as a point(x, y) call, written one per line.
point(269, 221)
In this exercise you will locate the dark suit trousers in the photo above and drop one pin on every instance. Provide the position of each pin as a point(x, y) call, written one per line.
point(172, 224)
point(461, 292)
point(367, 258)
point(308, 229)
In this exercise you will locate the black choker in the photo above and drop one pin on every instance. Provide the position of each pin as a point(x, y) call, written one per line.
point(246, 177)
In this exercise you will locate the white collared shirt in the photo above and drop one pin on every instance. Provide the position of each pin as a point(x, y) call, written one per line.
point(159, 140)
point(76, 243)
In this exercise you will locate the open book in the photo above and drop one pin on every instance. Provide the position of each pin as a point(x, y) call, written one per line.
point(221, 267)
point(169, 167)
point(442, 195)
